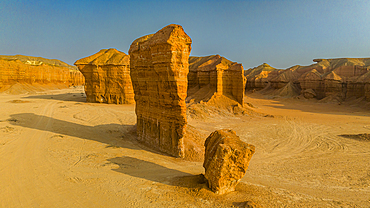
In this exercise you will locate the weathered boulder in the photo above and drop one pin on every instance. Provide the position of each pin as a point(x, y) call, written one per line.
point(226, 160)
point(219, 75)
point(159, 68)
point(107, 76)
point(36, 70)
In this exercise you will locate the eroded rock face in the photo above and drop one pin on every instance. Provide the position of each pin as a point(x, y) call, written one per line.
point(341, 78)
point(260, 77)
point(159, 69)
point(37, 70)
point(107, 75)
point(220, 75)
point(226, 160)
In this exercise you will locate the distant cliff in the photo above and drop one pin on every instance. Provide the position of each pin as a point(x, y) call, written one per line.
point(29, 70)
point(340, 78)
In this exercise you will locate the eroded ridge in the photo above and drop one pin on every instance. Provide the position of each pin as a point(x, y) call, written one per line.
point(19, 69)
point(159, 68)
point(107, 75)
point(332, 79)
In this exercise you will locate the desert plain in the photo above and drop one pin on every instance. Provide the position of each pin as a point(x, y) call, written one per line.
point(56, 150)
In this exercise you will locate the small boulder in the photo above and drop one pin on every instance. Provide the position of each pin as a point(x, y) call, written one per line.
point(226, 160)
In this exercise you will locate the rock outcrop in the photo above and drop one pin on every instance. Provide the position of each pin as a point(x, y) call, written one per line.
point(215, 75)
point(159, 68)
point(107, 76)
point(36, 70)
point(260, 77)
point(226, 160)
point(341, 78)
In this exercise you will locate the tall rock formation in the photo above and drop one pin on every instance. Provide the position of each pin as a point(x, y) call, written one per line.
point(36, 70)
point(159, 69)
point(221, 76)
point(107, 75)
point(226, 160)
point(341, 78)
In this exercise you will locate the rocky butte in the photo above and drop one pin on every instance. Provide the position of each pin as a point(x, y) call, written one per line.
point(39, 71)
point(159, 69)
point(107, 75)
point(338, 79)
point(215, 75)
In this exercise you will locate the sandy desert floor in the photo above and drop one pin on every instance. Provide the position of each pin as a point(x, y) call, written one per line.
point(58, 151)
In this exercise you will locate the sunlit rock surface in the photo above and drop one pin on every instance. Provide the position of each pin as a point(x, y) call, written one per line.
point(341, 78)
point(226, 160)
point(218, 75)
point(107, 75)
point(36, 70)
point(159, 69)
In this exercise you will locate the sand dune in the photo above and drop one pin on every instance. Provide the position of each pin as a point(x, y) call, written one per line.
point(58, 151)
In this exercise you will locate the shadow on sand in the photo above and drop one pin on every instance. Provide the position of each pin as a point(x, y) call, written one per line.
point(151, 171)
point(124, 136)
point(75, 97)
point(360, 137)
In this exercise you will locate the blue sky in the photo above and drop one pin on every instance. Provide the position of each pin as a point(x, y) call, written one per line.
point(280, 33)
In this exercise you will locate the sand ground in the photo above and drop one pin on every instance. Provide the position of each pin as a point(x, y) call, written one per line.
point(58, 151)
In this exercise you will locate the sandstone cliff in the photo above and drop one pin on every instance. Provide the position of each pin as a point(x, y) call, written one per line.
point(159, 69)
point(29, 70)
point(107, 75)
point(340, 78)
point(215, 75)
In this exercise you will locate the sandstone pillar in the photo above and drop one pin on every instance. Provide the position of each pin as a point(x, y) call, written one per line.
point(159, 68)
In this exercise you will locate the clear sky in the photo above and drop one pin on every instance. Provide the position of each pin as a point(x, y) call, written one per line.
point(280, 33)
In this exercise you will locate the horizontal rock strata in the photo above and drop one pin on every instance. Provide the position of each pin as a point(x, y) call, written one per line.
point(159, 69)
point(226, 160)
point(107, 75)
point(341, 78)
point(37, 70)
point(219, 75)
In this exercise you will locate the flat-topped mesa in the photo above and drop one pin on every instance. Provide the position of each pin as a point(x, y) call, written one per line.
point(224, 77)
point(36, 70)
point(107, 75)
point(159, 68)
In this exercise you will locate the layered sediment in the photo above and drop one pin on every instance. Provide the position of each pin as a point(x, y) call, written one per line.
point(159, 67)
point(215, 75)
point(340, 78)
point(36, 70)
point(107, 75)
